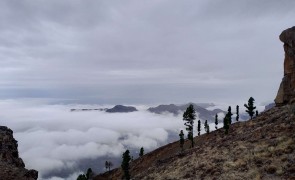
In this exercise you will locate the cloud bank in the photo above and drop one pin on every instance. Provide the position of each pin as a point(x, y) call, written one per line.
point(60, 143)
point(53, 139)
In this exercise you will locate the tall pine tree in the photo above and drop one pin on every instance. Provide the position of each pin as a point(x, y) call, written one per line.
point(125, 164)
point(226, 124)
point(206, 126)
point(216, 121)
point(237, 117)
point(250, 107)
point(229, 114)
point(141, 151)
point(199, 127)
point(189, 116)
point(181, 140)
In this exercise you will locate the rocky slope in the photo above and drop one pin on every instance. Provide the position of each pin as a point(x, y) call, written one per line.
point(262, 148)
point(12, 166)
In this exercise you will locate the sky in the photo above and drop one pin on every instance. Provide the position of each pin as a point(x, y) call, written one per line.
point(142, 52)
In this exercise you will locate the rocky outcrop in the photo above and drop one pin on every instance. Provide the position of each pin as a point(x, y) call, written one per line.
point(286, 92)
point(11, 165)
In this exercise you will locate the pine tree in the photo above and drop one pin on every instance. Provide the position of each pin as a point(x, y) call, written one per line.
point(250, 107)
point(229, 114)
point(181, 140)
point(226, 124)
point(216, 121)
point(141, 152)
point(110, 165)
point(206, 126)
point(106, 165)
point(189, 116)
point(89, 173)
point(199, 127)
point(125, 164)
point(256, 113)
point(82, 177)
point(237, 117)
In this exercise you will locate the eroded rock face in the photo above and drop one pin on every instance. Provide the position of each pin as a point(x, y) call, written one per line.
point(11, 165)
point(286, 92)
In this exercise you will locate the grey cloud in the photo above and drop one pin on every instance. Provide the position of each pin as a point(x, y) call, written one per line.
point(91, 48)
point(53, 139)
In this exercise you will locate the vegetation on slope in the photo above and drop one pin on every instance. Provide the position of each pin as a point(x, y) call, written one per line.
point(261, 148)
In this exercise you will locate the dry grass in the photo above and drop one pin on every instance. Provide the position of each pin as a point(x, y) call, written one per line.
point(262, 148)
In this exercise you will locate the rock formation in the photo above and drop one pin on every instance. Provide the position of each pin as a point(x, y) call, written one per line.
point(11, 165)
point(286, 92)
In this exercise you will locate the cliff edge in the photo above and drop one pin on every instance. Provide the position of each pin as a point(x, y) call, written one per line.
point(286, 92)
point(12, 166)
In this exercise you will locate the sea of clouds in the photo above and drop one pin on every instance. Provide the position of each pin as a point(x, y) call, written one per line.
point(55, 141)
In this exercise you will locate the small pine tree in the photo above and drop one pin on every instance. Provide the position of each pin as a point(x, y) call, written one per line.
point(89, 173)
point(125, 164)
point(216, 121)
point(199, 127)
point(206, 126)
point(82, 177)
point(226, 124)
point(110, 165)
point(181, 140)
point(189, 116)
point(250, 107)
point(106, 165)
point(141, 152)
point(229, 114)
point(256, 113)
point(237, 117)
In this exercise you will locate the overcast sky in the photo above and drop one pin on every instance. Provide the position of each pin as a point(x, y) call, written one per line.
point(153, 51)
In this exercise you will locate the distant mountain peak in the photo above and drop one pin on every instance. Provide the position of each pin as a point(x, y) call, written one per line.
point(121, 109)
point(203, 113)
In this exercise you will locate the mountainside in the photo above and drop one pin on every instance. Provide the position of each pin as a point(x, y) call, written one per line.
point(203, 113)
point(12, 166)
point(262, 148)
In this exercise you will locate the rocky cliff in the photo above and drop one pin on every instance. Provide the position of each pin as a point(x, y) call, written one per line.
point(286, 92)
point(12, 166)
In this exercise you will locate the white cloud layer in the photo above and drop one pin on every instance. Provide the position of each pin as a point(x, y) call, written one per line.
point(51, 138)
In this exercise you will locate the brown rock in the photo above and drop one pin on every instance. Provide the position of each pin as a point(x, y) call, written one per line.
point(11, 165)
point(286, 92)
